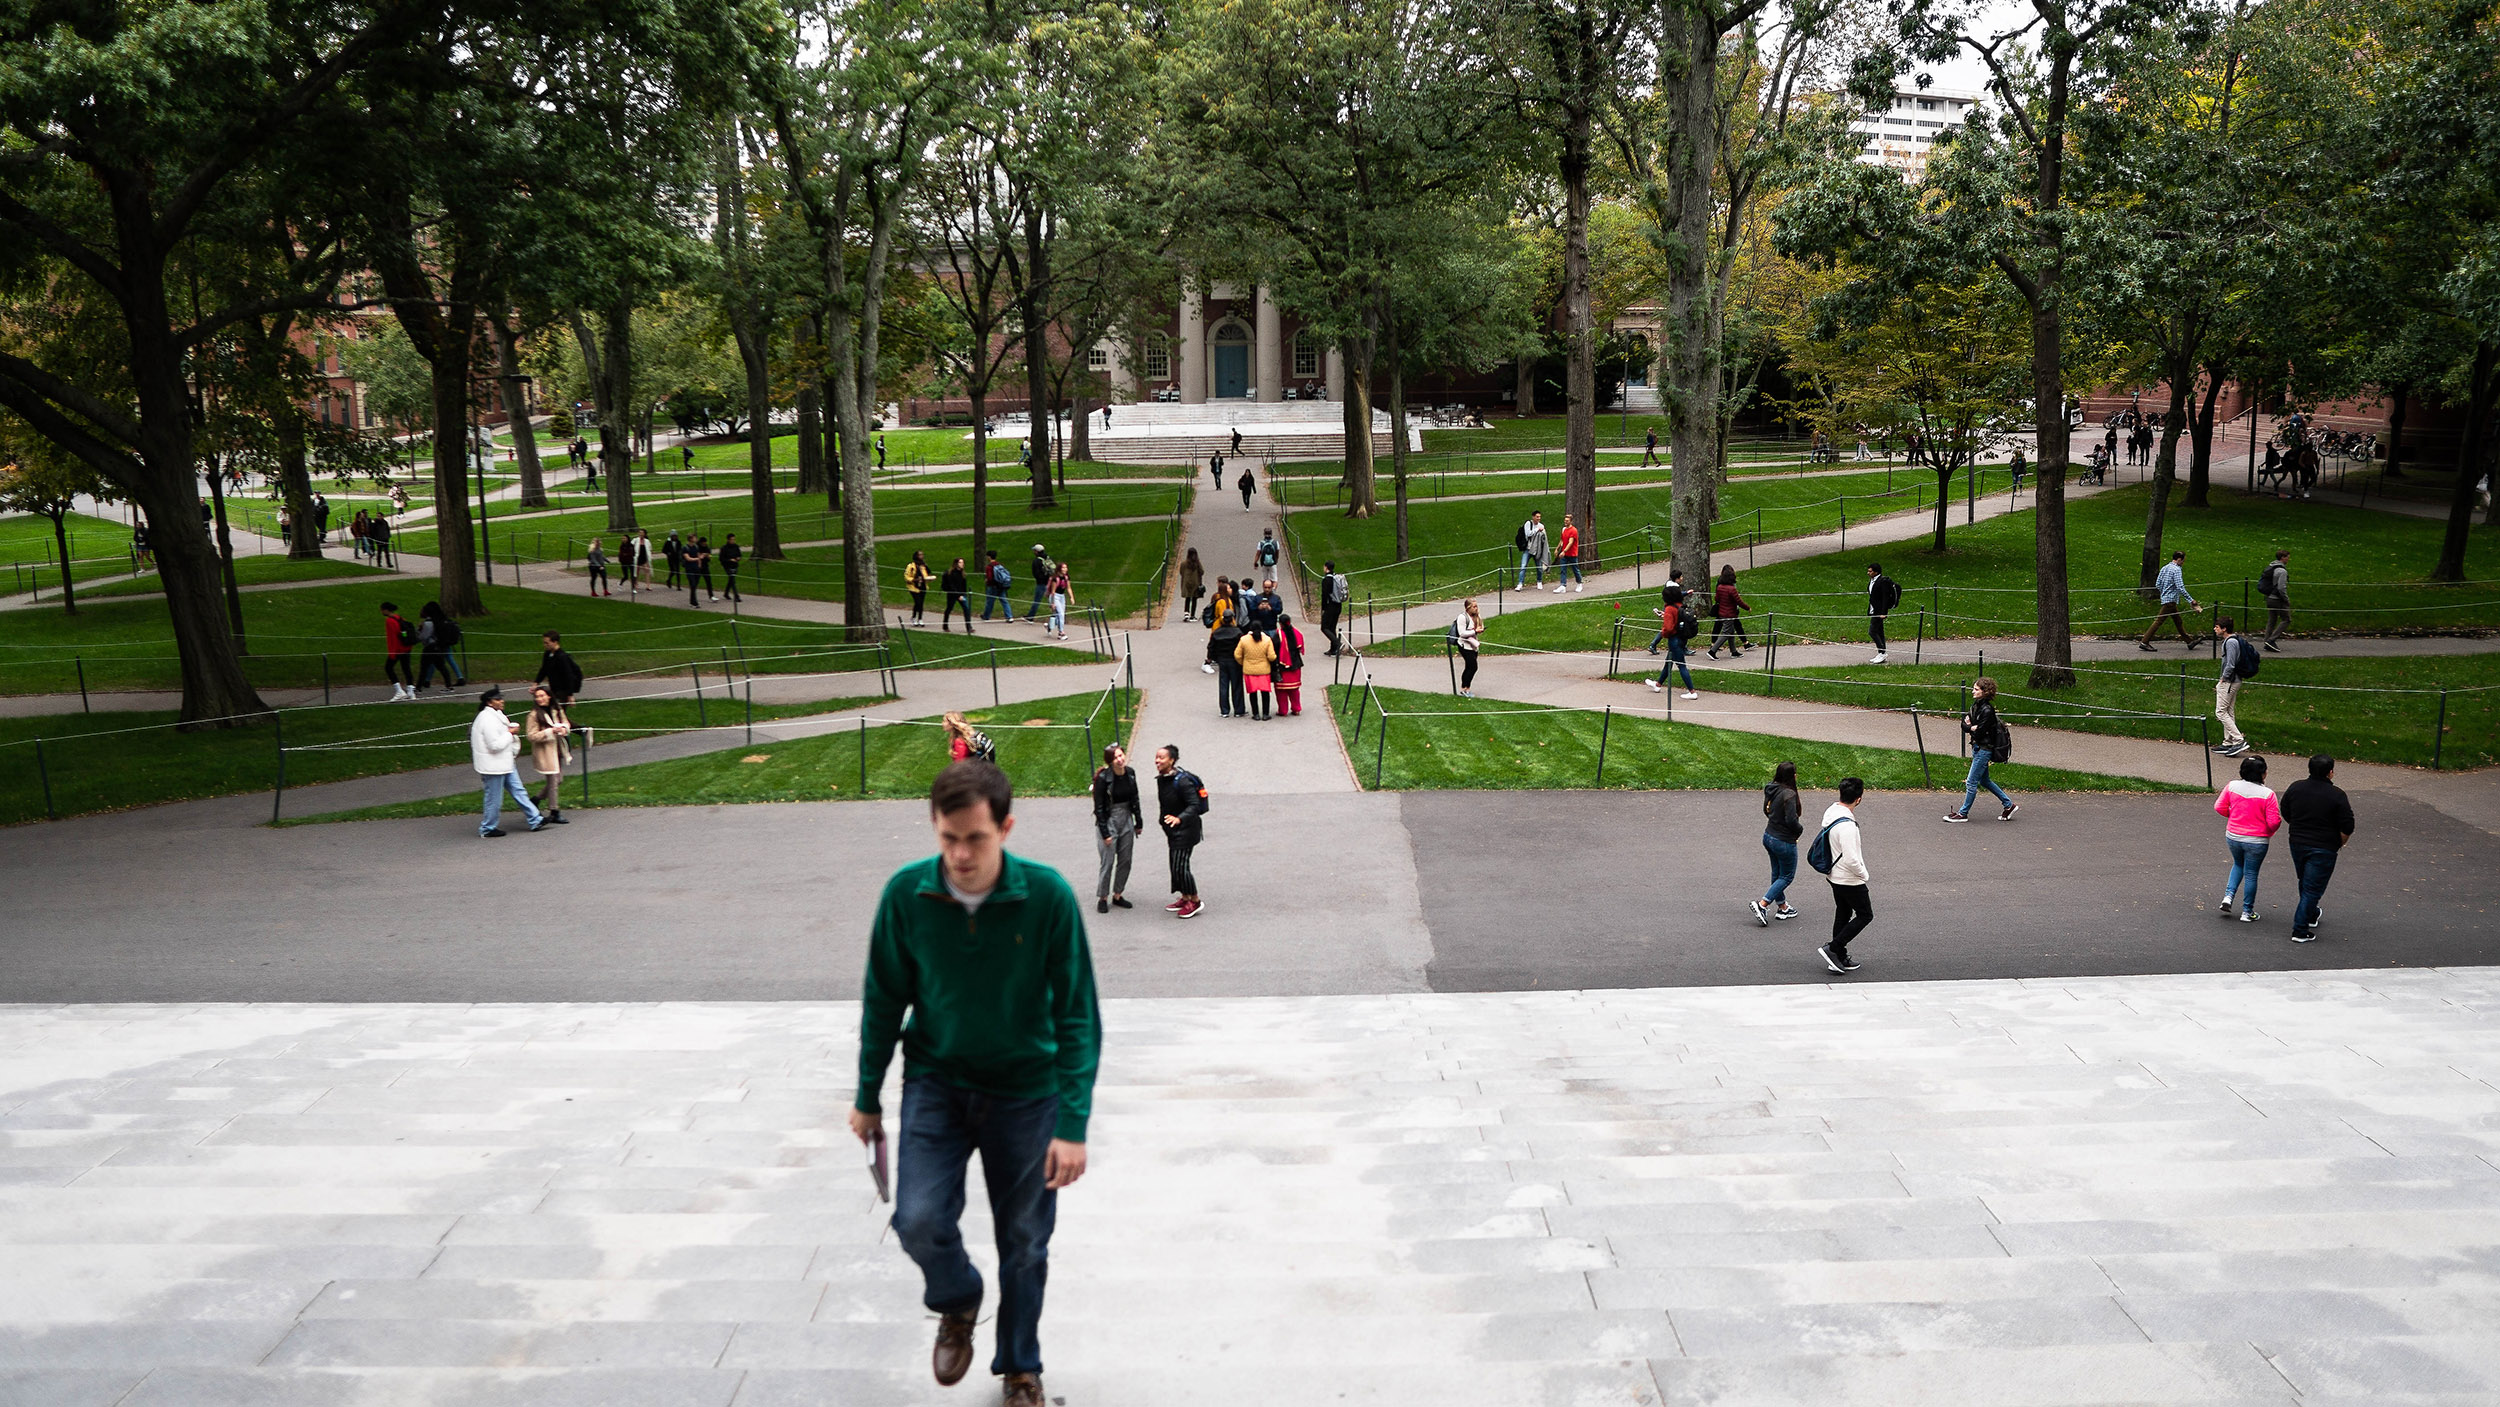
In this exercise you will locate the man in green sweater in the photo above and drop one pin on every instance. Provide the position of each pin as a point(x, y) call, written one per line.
point(987, 953)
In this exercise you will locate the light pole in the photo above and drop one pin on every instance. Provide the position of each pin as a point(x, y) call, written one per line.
point(477, 453)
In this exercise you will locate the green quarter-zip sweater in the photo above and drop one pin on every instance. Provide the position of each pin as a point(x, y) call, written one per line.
point(1001, 999)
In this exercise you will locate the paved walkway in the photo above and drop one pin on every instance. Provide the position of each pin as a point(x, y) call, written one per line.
point(2253, 1190)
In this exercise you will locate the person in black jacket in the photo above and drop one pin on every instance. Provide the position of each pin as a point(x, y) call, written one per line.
point(1116, 821)
point(674, 551)
point(731, 554)
point(557, 669)
point(1182, 801)
point(1781, 826)
point(1988, 742)
point(958, 589)
point(1882, 594)
point(2319, 817)
point(1232, 699)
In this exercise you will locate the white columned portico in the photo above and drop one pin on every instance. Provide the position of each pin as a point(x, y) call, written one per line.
point(1193, 345)
point(1269, 355)
point(1336, 375)
point(1123, 372)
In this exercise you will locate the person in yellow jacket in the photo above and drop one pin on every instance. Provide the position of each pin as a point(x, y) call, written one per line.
point(916, 579)
point(1257, 653)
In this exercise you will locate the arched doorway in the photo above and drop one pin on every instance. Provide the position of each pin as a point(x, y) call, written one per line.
point(1231, 345)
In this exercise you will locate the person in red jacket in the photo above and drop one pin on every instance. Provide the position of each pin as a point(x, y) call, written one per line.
point(1567, 557)
point(1727, 620)
point(395, 635)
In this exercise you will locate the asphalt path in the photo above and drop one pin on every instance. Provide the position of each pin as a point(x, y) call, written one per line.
point(1307, 895)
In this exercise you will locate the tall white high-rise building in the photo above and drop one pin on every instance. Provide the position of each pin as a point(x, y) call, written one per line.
point(1902, 135)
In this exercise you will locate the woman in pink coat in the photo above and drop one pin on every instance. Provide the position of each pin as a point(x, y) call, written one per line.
point(2250, 817)
point(1288, 667)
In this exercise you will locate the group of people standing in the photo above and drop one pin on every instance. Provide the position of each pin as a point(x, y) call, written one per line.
point(1254, 649)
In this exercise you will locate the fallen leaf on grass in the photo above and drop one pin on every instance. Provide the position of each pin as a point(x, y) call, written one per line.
point(757, 757)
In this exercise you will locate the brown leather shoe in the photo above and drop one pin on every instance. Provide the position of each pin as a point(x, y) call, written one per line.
point(1022, 1390)
point(952, 1357)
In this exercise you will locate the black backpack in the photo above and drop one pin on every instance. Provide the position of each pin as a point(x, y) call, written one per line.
point(1519, 539)
point(982, 749)
point(446, 633)
point(1819, 857)
point(2246, 658)
point(2003, 744)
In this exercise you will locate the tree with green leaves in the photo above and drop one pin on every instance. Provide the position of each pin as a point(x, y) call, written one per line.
point(39, 479)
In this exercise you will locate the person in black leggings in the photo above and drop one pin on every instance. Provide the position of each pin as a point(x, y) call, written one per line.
point(958, 594)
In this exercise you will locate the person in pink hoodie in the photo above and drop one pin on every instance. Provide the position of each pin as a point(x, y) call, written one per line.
point(2250, 817)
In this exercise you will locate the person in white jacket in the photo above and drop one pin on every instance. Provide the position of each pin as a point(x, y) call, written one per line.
point(1852, 911)
point(494, 750)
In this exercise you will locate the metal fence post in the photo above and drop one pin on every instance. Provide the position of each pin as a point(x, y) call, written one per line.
point(1603, 729)
point(863, 755)
point(993, 674)
point(1771, 682)
point(1380, 753)
point(589, 740)
point(2206, 726)
point(2439, 732)
point(278, 796)
point(750, 710)
point(44, 771)
point(325, 679)
point(1921, 735)
point(702, 717)
point(83, 705)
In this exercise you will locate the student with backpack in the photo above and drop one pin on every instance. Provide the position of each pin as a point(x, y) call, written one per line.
point(1529, 540)
point(1041, 570)
point(1839, 855)
point(1181, 802)
point(1465, 634)
point(1882, 594)
point(1268, 553)
point(2275, 585)
point(916, 576)
point(397, 636)
point(1192, 583)
point(1334, 590)
point(2240, 663)
point(996, 582)
point(1990, 742)
point(1781, 827)
point(1247, 485)
point(436, 635)
point(967, 743)
point(1677, 624)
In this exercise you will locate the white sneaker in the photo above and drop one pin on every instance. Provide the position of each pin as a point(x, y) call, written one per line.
point(1206, 669)
point(1558, 591)
point(1583, 586)
point(1652, 683)
point(1879, 659)
point(1690, 694)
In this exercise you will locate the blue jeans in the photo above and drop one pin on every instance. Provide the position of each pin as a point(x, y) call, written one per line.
point(1528, 560)
point(2246, 857)
point(995, 599)
point(496, 786)
point(1783, 868)
point(1041, 600)
point(2316, 867)
point(1567, 569)
point(942, 1127)
point(1058, 614)
point(1980, 757)
point(1675, 661)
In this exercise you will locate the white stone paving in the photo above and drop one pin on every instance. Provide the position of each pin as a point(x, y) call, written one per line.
point(2208, 1189)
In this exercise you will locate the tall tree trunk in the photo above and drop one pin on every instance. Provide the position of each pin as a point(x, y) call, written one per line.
point(1361, 479)
point(979, 396)
point(1080, 427)
point(1397, 418)
point(830, 397)
point(295, 481)
point(1689, 73)
point(215, 693)
point(750, 334)
point(1579, 331)
point(1036, 358)
point(516, 412)
point(2469, 463)
point(2400, 393)
point(812, 476)
point(2053, 660)
point(1525, 395)
point(455, 545)
point(2201, 443)
point(2165, 474)
point(1944, 497)
point(58, 512)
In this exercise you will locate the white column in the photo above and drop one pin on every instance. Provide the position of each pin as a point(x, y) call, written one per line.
point(1269, 358)
point(1193, 347)
point(1123, 372)
point(1336, 375)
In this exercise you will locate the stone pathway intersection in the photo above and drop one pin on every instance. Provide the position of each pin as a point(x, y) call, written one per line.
point(2218, 1189)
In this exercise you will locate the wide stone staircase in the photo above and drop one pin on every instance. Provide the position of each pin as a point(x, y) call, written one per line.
point(2216, 1189)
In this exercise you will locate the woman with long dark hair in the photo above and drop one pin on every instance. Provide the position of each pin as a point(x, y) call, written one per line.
point(1781, 827)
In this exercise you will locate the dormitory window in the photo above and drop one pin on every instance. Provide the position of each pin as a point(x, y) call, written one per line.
point(1098, 358)
point(1158, 357)
point(1305, 355)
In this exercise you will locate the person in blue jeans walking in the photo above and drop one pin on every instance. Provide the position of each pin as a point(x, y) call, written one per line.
point(1782, 824)
point(2319, 816)
point(1041, 583)
point(495, 751)
point(1990, 739)
point(2250, 817)
point(986, 953)
point(1671, 629)
point(996, 582)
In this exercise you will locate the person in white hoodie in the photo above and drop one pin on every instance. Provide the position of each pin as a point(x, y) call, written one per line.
point(1852, 911)
point(494, 749)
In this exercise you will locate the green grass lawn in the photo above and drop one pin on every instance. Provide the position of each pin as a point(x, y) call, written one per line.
point(128, 644)
point(2352, 570)
point(1042, 745)
point(98, 548)
point(1493, 745)
point(561, 537)
point(1468, 541)
point(951, 445)
point(112, 761)
point(2283, 710)
point(252, 571)
point(1115, 567)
